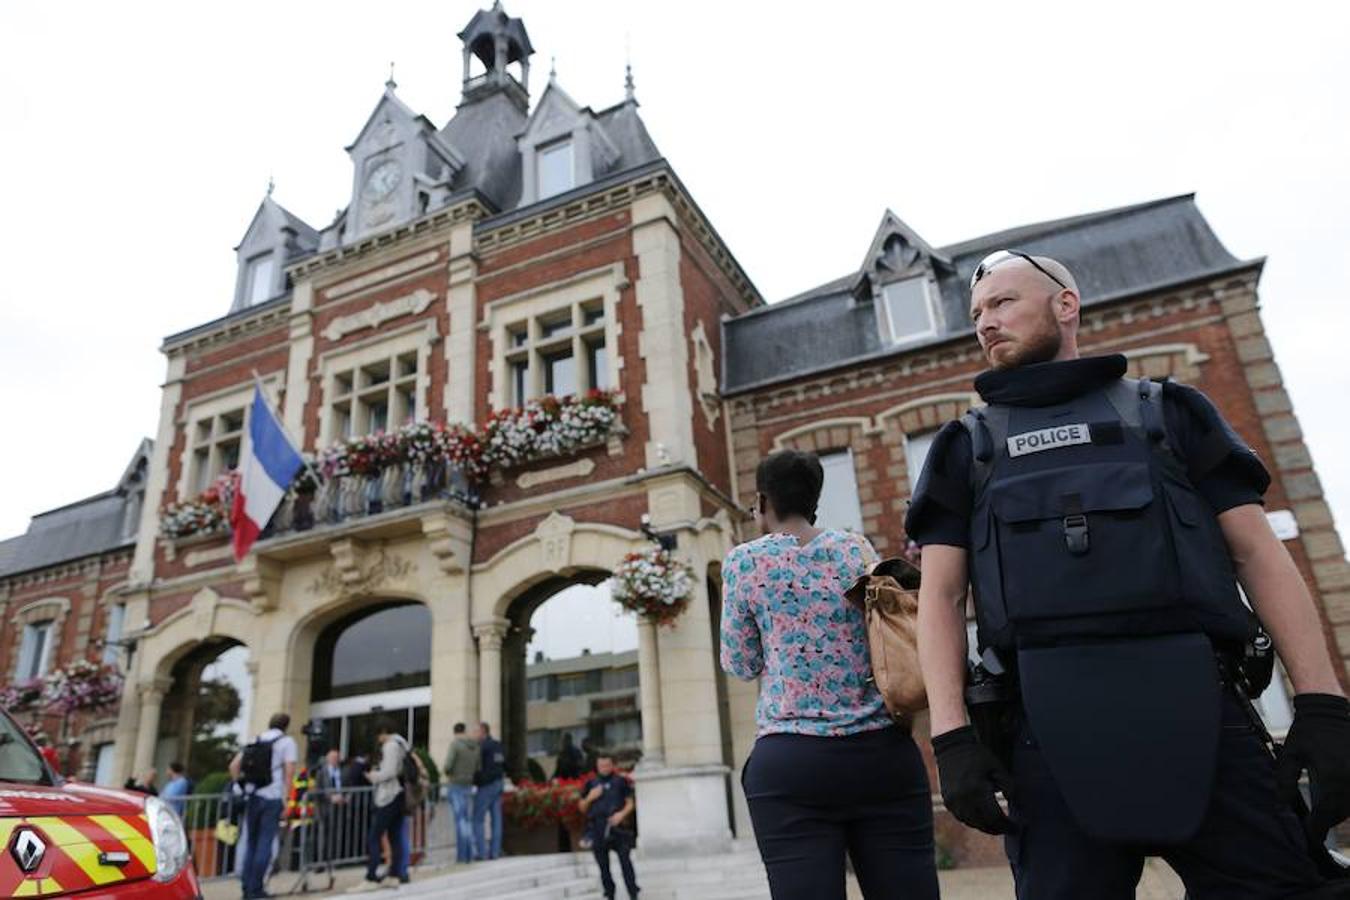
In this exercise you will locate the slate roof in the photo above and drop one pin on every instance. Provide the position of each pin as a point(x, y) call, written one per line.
point(1114, 253)
point(88, 527)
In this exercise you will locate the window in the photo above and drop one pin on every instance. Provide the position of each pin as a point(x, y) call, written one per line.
point(216, 440)
point(621, 679)
point(376, 396)
point(112, 650)
point(371, 651)
point(35, 651)
point(916, 454)
point(541, 741)
point(259, 287)
point(560, 353)
point(536, 689)
point(623, 731)
point(579, 684)
point(556, 173)
point(908, 309)
point(103, 765)
point(838, 507)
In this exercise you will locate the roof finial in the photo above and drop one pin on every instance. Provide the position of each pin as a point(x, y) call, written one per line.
point(271, 185)
point(553, 68)
point(629, 93)
point(391, 83)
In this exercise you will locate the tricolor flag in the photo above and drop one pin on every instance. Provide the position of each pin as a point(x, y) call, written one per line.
point(266, 471)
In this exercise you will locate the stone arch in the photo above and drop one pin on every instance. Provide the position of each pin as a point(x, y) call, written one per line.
point(558, 547)
point(918, 416)
point(207, 616)
point(825, 434)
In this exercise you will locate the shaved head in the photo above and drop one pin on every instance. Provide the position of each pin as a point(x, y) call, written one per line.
point(1025, 312)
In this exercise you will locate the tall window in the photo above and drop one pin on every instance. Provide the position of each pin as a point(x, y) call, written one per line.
point(216, 440)
point(103, 765)
point(259, 287)
point(376, 396)
point(35, 650)
point(838, 507)
point(908, 309)
point(112, 650)
point(560, 353)
point(555, 164)
point(916, 454)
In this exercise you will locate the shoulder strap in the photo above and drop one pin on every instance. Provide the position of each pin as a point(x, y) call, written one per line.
point(1139, 403)
point(988, 429)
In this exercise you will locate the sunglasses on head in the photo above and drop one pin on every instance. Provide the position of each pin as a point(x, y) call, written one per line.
point(999, 257)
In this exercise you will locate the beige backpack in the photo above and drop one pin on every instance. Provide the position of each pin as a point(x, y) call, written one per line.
point(889, 599)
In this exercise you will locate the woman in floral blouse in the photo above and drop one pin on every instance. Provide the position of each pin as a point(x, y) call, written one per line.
point(830, 772)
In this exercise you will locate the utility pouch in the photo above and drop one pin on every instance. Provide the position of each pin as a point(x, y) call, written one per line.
point(991, 703)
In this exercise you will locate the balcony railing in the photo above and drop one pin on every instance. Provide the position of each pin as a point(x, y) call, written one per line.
point(343, 498)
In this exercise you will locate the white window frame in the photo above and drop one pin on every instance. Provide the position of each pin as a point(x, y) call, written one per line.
point(28, 667)
point(837, 465)
point(262, 264)
point(337, 364)
point(208, 408)
point(568, 144)
point(508, 319)
point(112, 635)
point(928, 305)
point(924, 439)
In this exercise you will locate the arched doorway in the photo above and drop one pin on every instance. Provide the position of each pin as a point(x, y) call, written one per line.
point(206, 711)
point(569, 667)
point(373, 662)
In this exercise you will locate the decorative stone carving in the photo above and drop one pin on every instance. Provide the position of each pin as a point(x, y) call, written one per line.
point(353, 573)
point(579, 469)
point(446, 542)
point(262, 581)
point(375, 316)
point(204, 604)
point(555, 539)
point(402, 267)
point(705, 375)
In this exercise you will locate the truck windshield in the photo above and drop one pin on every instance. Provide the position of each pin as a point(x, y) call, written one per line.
point(18, 760)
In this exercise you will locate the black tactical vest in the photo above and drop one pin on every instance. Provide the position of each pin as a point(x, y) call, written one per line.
point(1086, 526)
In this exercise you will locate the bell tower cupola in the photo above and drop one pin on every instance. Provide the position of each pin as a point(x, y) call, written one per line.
point(494, 43)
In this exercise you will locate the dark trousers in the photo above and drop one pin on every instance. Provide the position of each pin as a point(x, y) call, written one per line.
point(620, 845)
point(815, 799)
point(262, 817)
point(387, 820)
point(1249, 846)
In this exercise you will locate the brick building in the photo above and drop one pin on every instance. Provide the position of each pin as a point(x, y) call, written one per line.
point(526, 249)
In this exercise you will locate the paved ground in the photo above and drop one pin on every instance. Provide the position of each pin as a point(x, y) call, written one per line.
point(1158, 883)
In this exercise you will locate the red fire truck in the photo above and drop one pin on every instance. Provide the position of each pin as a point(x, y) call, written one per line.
point(66, 839)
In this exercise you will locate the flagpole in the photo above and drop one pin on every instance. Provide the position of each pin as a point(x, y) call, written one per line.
point(314, 473)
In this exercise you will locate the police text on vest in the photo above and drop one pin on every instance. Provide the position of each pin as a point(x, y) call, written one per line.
point(1048, 439)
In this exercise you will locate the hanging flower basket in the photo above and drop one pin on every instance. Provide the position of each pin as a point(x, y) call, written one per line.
point(22, 697)
point(82, 686)
point(653, 583)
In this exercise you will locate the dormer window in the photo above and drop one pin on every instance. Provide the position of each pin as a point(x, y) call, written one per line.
point(909, 309)
point(555, 167)
point(259, 287)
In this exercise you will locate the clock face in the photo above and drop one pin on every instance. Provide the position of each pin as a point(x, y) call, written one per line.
point(381, 181)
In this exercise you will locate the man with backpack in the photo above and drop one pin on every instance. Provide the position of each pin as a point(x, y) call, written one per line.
point(394, 771)
point(264, 768)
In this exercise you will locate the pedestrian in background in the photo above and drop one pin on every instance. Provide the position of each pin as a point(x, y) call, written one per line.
point(461, 765)
point(831, 774)
point(607, 804)
point(487, 801)
point(264, 768)
point(177, 788)
point(388, 809)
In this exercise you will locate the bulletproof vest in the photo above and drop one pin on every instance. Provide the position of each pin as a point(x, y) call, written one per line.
point(1085, 525)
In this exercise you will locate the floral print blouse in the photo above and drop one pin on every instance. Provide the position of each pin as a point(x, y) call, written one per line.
point(784, 617)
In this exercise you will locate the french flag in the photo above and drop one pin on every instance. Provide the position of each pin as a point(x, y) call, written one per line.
point(266, 471)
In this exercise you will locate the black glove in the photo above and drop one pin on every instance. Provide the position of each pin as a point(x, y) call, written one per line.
point(969, 773)
point(1319, 741)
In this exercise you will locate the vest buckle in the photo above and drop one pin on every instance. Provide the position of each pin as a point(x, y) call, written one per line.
point(1076, 534)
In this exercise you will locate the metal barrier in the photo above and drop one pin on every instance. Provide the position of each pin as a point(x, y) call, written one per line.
point(324, 831)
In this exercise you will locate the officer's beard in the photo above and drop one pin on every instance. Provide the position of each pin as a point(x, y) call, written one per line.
point(1041, 346)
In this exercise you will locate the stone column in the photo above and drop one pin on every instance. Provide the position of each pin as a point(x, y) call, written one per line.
point(490, 635)
point(649, 680)
point(152, 702)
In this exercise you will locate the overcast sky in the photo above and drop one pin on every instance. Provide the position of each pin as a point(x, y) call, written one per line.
point(139, 139)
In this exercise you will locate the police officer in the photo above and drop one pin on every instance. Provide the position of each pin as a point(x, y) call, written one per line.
point(1104, 524)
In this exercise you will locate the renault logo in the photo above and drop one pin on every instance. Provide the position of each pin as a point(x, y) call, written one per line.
point(28, 850)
